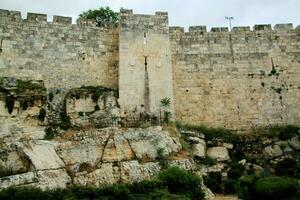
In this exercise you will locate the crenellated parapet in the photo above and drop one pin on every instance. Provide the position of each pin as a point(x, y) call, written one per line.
point(157, 23)
point(38, 18)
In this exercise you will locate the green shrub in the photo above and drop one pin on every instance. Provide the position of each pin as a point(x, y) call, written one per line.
point(230, 186)
point(117, 191)
point(288, 167)
point(146, 186)
point(65, 121)
point(97, 108)
point(209, 161)
point(211, 133)
point(42, 114)
point(164, 194)
point(50, 96)
point(171, 184)
point(245, 187)
point(275, 187)
point(50, 133)
point(23, 86)
point(214, 181)
point(288, 132)
point(179, 181)
point(9, 104)
point(236, 170)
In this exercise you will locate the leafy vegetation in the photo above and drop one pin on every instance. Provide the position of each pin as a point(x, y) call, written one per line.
point(211, 133)
point(65, 121)
point(171, 184)
point(214, 181)
point(209, 161)
point(288, 167)
point(9, 104)
point(103, 16)
point(96, 92)
point(289, 131)
point(50, 133)
point(23, 86)
point(50, 96)
point(275, 187)
point(271, 187)
point(42, 114)
point(165, 104)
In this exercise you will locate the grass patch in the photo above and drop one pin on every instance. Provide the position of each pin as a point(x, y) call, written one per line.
point(211, 133)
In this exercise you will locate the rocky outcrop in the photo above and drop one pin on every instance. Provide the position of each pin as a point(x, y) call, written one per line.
point(91, 157)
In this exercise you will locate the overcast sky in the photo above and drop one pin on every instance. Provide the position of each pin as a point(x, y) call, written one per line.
point(181, 12)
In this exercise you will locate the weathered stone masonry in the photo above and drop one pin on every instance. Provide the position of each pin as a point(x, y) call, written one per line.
point(238, 79)
point(62, 54)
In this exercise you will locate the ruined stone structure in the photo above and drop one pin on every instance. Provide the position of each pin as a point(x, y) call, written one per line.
point(236, 79)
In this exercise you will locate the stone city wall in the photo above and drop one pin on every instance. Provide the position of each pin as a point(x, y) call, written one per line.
point(145, 62)
point(62, 54)
point(238, 79)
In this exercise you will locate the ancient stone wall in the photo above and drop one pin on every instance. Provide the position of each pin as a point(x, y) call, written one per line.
point(62, 54)
point(238, 79)
point(145, 62)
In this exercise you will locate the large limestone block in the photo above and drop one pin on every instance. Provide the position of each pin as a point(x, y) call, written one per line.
point(15, 129)
point(199, 149)
point(105, 175)
point(219, 153)
point(117, 149)
point(146, 142)
point(76, 153)
point(272, 151)
point(133, 171)
point(85, 147)
point(18, 180)
point(16, 163)
point(42, 155)
point(52, 179)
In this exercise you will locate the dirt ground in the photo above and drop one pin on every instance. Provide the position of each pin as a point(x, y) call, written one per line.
point(225, 197)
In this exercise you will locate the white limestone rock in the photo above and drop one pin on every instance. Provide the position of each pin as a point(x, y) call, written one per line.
point(105, 175)
point(272, 151)
point(199, 149)
point(133, 171)
point(187, 164)
point(42, 155)
point(117, 149)
point(146, 142)
point(52, 179)
point(18, 180)
point(295, 142)
point(218, 153)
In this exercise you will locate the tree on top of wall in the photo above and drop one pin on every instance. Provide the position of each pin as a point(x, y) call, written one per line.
point(103, 16)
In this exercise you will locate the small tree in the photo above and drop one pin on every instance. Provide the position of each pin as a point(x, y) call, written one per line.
point(165, 104)
point(103, 16)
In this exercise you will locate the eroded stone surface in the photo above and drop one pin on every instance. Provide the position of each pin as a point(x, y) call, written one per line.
point(219, 153)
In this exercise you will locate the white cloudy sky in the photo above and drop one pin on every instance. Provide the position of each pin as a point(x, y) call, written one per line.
point(181, 12)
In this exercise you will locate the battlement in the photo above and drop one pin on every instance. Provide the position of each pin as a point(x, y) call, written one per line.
point(43, 18)
point(157, 23)
point(195, 31)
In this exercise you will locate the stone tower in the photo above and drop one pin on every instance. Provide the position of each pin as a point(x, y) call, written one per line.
point(145, 70)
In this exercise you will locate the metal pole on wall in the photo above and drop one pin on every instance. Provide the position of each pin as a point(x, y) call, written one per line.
point(229, 19)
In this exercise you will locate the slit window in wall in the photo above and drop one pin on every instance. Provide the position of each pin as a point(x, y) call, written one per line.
point(146, 63)
point(145, 38)
point(1, 42)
